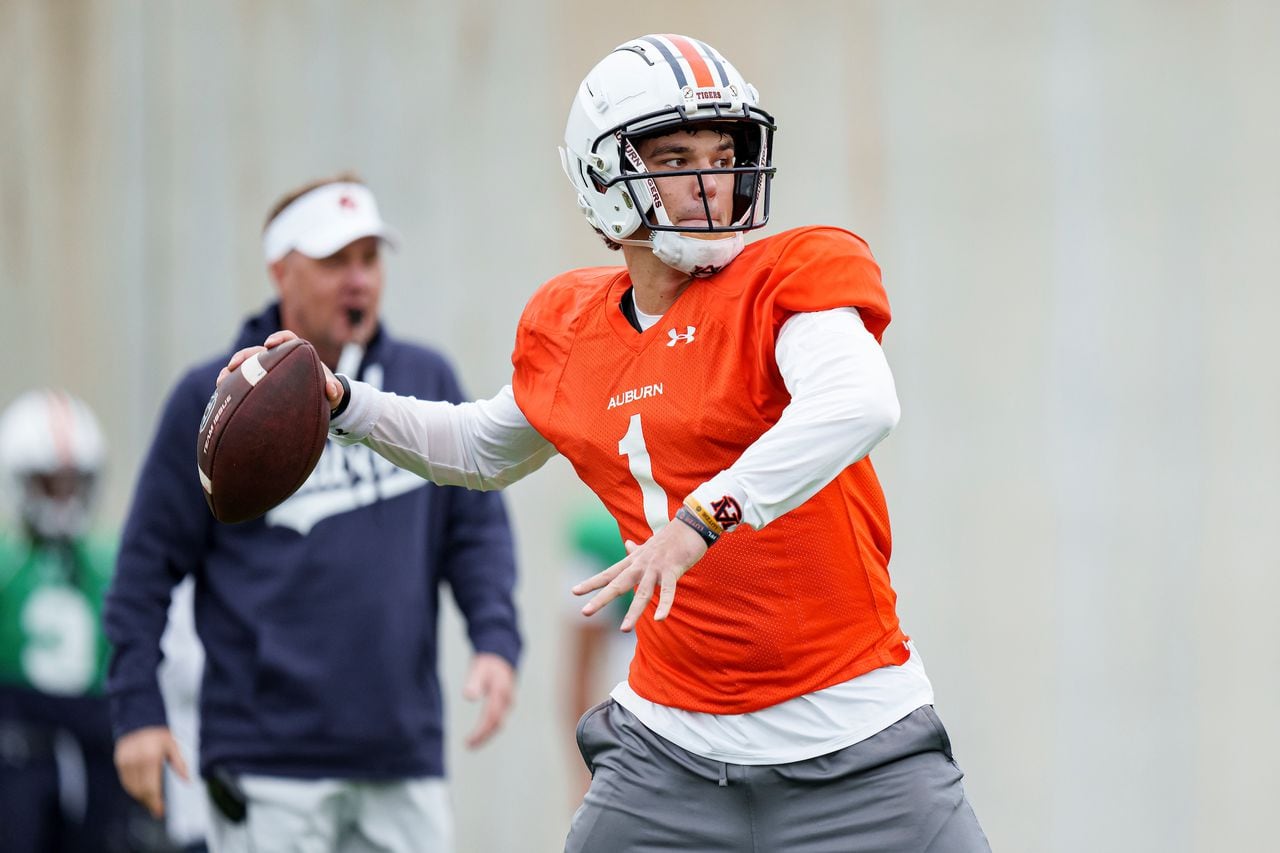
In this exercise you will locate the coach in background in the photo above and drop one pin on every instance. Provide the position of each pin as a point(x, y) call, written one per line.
point(320, 702)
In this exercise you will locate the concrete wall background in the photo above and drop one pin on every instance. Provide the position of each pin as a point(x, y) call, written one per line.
point(1074, 204)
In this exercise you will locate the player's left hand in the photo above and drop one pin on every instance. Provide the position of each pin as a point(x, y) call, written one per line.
point(660, 562)
point(490, 678)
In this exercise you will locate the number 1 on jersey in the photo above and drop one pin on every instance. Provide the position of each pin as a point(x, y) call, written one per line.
point(655, 499)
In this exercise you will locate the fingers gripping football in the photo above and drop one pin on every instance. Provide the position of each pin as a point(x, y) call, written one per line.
point(657, 565)
point(332, 388)
point(264, 429)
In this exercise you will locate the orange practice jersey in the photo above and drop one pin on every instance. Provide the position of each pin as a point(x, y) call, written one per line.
point(766, 615)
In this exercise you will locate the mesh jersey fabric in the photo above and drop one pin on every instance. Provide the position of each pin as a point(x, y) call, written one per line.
point(766, 615)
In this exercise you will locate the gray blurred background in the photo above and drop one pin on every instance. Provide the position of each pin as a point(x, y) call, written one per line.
point(1075, 204)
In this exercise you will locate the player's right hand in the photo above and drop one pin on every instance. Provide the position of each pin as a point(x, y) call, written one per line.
point(140, 759)
point(332, 387)
point(658, 565)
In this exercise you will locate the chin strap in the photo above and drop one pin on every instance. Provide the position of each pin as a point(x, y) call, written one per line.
point(691, 255)
point(698, 258)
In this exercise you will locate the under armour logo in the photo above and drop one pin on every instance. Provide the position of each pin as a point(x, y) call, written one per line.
point(687, 337)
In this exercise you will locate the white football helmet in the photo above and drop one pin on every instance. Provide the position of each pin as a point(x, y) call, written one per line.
point(652, 85)
point(51, 455)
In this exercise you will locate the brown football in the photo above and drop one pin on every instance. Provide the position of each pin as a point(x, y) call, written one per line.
point(263, 432)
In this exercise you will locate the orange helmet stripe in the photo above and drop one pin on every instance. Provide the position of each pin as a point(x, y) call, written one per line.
point(698, 65)
point(60, 425)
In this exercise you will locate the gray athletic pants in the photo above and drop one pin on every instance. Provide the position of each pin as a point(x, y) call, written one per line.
point(896, 792)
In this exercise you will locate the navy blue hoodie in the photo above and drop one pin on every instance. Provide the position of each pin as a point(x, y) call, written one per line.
point(318, 620)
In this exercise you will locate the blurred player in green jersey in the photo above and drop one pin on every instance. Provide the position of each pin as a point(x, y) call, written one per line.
point(59, 787)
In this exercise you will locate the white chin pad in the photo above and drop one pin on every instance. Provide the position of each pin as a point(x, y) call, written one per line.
point(695, 257)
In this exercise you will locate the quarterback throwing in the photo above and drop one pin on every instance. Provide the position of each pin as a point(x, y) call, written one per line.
point(721, 399)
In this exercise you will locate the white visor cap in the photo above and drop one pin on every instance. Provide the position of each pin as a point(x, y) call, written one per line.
point(323, 221)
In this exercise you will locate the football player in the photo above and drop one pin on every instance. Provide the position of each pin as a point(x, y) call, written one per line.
point(721, 399)
point(58, 783)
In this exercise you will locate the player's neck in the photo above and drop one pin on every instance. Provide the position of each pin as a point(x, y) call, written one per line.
point(656, 285)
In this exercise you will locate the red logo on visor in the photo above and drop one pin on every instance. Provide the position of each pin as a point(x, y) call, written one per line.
point(347, 201)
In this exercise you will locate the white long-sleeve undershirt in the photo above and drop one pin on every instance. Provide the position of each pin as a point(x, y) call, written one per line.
point(843, 402)
point(483, 445)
